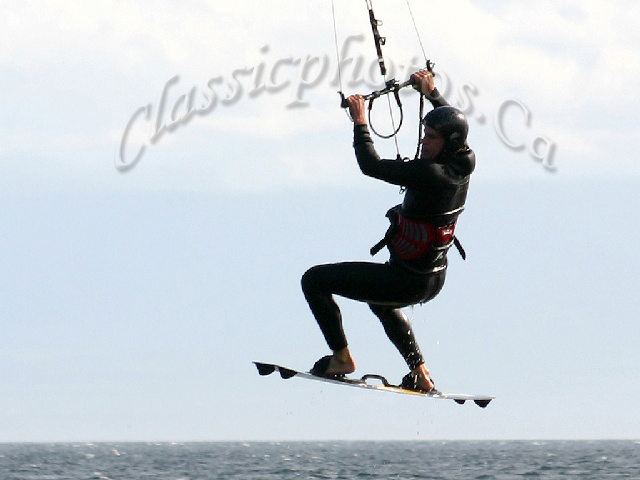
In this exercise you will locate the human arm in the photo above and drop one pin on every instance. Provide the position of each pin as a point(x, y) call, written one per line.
point(412, 174)
point(424, 82)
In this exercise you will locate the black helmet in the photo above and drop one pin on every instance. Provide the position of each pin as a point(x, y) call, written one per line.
point(451, 124)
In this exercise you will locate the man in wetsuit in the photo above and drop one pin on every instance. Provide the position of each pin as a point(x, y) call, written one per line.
point(421, 231)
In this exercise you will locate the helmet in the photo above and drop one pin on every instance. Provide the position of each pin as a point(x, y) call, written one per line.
point(451, 124)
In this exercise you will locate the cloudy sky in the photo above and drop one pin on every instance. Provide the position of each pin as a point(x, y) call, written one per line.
point(168, 172)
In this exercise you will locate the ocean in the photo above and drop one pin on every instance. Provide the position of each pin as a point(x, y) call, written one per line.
point(321, 460)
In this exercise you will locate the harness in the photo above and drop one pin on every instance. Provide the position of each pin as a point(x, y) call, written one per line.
point(412, 239)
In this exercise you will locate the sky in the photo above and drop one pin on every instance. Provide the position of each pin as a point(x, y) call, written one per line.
point(168, 172)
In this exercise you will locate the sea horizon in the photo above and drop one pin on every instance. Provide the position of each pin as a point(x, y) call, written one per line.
point(322, 440)
point(321, 459)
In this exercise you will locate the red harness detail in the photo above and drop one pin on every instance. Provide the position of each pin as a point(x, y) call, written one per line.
point(412, 238)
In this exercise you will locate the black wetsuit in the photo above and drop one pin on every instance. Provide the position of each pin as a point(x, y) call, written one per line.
point(435, 193)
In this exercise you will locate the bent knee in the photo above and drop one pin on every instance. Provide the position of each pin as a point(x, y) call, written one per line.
point(309, 280)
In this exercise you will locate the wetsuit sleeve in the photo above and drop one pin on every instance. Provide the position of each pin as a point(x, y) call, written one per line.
point(412, 174)
point(437, 100)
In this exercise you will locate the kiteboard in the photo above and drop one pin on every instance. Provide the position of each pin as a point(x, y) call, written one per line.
point(371, 382)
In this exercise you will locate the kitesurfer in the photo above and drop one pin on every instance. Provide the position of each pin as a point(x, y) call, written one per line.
point(421, 231)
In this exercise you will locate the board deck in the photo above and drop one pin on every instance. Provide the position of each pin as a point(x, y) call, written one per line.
point(382, 384)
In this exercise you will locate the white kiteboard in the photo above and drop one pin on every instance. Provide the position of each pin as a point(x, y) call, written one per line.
point(383, 386)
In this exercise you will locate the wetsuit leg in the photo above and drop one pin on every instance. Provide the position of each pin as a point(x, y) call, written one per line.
point(398, 329)
point(373, 283)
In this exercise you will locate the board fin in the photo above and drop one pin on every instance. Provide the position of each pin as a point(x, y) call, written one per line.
point(265, 368)
point(286, 373)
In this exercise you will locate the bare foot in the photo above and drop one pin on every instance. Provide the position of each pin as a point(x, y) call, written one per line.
point(341, 363)
point(423, 378)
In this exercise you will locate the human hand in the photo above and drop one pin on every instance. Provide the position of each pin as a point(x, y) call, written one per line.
point(356, 109)
point(423, 82)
